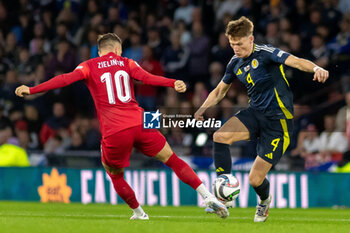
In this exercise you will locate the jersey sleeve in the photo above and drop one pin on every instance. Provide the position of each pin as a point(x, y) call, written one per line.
point(229, 75)
point(80, 73)
point(84, 69)
point(147, 78)
point(278, 55)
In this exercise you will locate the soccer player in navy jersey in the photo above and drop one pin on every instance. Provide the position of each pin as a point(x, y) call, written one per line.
point(109, 79)
point(269, 118)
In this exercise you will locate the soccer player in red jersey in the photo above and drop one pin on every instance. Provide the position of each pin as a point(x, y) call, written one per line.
point(109, 79)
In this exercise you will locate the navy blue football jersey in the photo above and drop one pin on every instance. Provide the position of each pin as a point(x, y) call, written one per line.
point(263, 75)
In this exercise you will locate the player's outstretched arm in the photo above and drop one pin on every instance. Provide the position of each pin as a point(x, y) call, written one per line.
point(54, 83)
point(147, 78)
point(320, 74)
point(213, 98)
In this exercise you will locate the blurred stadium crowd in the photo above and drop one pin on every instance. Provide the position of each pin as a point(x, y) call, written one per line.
point(181, 39)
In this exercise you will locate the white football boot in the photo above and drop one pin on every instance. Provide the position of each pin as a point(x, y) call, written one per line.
point(228, 204)
point(144, 216)
point(209, 210)
point(216, 206)
point(262, 210)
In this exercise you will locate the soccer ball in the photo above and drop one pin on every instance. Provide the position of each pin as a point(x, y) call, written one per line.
point(226, 188)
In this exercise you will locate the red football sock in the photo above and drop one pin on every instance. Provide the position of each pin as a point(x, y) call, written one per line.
point(124, 190)
point(183, 171)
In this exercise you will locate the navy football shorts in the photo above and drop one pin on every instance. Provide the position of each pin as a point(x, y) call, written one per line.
point(273, 135)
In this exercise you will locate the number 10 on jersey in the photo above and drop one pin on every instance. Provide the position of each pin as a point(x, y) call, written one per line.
point(123, 95)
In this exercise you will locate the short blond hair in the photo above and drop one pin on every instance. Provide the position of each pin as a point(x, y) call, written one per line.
point(241, 27)
point(108, 40)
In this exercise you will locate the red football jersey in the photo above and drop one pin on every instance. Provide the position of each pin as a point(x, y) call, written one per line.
point(109, 79)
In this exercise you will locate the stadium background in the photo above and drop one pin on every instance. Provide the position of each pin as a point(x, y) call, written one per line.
point(179, 39)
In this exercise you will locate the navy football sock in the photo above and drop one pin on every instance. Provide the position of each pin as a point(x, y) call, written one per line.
point(222, 158)
point(263, 190)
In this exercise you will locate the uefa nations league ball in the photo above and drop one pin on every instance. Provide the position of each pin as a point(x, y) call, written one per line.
point(226, 187)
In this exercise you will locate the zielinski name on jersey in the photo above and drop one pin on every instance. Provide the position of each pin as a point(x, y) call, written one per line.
point(110, 63)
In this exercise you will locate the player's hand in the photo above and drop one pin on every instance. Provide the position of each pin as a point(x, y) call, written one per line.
point(22, 90)
point(321, 75)
point(180, 86)
point(199, 114)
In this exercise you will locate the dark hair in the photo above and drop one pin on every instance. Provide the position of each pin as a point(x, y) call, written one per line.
point(4, 123)
point(108, 40)
point(241, 27)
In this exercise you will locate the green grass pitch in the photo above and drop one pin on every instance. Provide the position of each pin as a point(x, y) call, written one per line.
point(27, 217)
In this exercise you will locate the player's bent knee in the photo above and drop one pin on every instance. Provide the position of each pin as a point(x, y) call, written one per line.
point(164, 154)
point(220, 137)
point(163, 158)
point(113, 170)
point(255, 181)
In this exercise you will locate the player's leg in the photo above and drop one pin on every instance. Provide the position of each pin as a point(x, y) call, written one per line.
point(237, 128)
point(272, 144)
point(181, 169)
point(125, 191)
point(257, 179)
point(232, 131)
point(188, 176)
point(152, 143)
point(115, 156)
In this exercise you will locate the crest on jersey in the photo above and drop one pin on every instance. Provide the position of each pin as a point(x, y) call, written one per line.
point(151, 120)
point(255, 63)
point(247, 68)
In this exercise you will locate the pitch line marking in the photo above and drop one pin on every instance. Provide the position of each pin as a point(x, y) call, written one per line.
point(165, 216)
